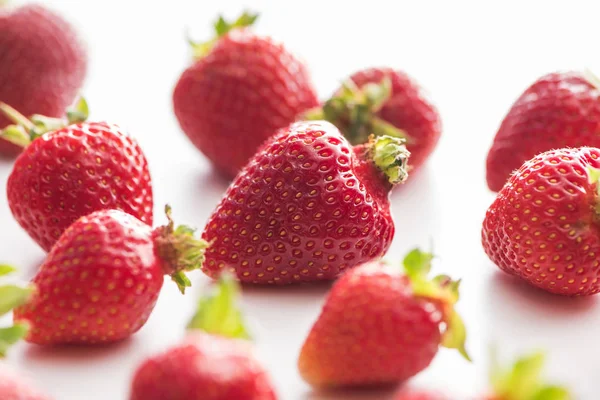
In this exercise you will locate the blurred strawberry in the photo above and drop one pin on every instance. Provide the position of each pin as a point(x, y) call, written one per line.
point(383, 101)
point(42, 64)
point(15, 387)
point(240, 89)
point(559, 110)
point(212, 363)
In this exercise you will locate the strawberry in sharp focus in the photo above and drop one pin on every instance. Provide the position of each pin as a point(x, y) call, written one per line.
point(66, 172)
point(379, 326)
point(543, 225)
point(307, 207)
point(101, 280)
point(558, 110)
point(240, 89)
point(212, 363)
point(42, 64)
point(383, 101)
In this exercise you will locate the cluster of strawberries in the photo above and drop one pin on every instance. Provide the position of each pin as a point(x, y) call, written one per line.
point(308, 202)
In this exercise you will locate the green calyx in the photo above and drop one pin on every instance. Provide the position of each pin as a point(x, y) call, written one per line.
point(354, 111)
point(443, 291)
point(222, 27)
point(391, 156)
point(594, 179)
point(178, 250)
point(12, 296)
point(25, 130)
point(523, 381)
point(218, 312)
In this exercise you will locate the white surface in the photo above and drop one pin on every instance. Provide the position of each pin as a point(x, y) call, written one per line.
point(473, 58)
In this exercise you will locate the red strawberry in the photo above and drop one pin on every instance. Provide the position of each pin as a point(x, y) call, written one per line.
point(381, 327)
point(238, 92)
point(558, 110)
point(101, 280)
point(42, 64)
point(307, 207)
point(212, 363)
point(542, 227)
point(384, 101)
point(72, 171)
point(13, 387)
point(420, 395)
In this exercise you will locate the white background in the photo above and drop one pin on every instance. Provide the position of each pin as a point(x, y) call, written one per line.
point(473, 58)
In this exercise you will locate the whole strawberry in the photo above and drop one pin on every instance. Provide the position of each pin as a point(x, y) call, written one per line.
point(542, 226)
point(384, 101)
point(558, 110)
point(43, 64)
point(307, 207)
point(71, 171)
point(212, 363)
point(381, 327)
point(14, 387)
point(240, 89)
point(101, 280)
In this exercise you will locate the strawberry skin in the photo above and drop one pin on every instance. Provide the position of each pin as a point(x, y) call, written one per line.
point(71, 172)
point(204, 367)
point(559, 110)
point(42, 64)
point(231, 100)
point(542, 227)
point(13, 387)
point(101, 280)
point(307, 207)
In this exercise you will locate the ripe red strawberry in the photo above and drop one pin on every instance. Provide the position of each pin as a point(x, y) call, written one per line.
point(13, 387)
point(72, 171)
point(42, 64)
point(240, 89)
point(542, 226)
point(101, 280)
point(384, 101)
point(380, 327)
point(307, 207)
point(213, 363)
point(558, 110)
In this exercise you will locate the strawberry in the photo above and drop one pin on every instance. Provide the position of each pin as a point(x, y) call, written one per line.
point(381, 327)
point(101, 280)
point(240, 89)
point(212, 363)
point(43, 64)
point(72, 171)
point(383, 101)
point(542, 227)
point(14, 387)
point(420, 395)
point(307, 207)
point(558, 110)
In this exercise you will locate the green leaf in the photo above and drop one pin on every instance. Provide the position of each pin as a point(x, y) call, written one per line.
point(182, 281)
point(10, 336)
point(552, 393)
point(379, 127)
point(12, 296)
point(455, 335)
point(15, 134)
point(221, 26)
point(218, 312)
point(245, 20)
point(79, 112)
point(6, 269)
point(417, 263)
point(377, 94)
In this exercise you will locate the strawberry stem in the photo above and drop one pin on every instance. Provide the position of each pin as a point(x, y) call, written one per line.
point(178, 250)
point(443, 290)
point(12, 296)
point(221, 27)
point(218, 313)
point(391, 156)
point(354, 111)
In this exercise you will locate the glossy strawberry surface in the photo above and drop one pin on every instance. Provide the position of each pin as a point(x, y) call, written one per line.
point(372, 331)
point(559, 110)
point(408, 109)
point(307, 207)
point(543, 226)
point(99, 283)
point(230, 101)
point(204, 367)
point(42, 64)
point(74, 171)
